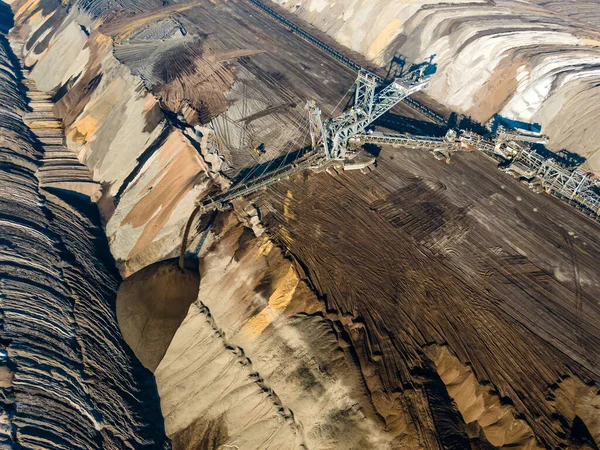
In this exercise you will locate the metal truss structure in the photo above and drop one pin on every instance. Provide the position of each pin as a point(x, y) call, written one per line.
point(317, 131)
point(400, 140)
point(221, 201)
point(432, 115)
point(331, 137)
point(576, 186)
point(503, 135)
point(331, 141)
point(579, 188)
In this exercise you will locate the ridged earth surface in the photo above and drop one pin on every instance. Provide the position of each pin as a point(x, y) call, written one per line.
point(255, 363)
point(67, 378)
point(420, 305)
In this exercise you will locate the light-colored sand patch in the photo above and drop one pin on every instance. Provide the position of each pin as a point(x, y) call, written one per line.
point(26, 8)
point(266, 247)
point(391, 30)
point(477, 404)
point(65, 57)
point(83, 129)
point(278, 302)
point(44, 124)
point(35, 16)
point(591, 42)
point(203, 383)
point(287, 210)
point(178, 165)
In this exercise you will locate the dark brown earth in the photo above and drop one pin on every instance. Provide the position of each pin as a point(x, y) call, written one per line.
point(463, 294)
point(288, 65)
point(419, 253)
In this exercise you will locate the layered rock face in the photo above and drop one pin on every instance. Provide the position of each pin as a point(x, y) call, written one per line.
point(530, 61)
point(252, 361)
point(67, 378)
point(394, 313)
point(115, 127)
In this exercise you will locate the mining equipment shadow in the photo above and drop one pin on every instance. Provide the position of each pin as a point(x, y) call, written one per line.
point(513, 124)
point(470, 124)
point(396, 67)
point(205, 224)
point(262, 168)
point(372, 149)
point(398, 63)
point(563, 158)
point(402, 124)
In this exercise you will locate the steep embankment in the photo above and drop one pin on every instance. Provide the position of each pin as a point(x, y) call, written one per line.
point(67, 378)
point(439, 347)
point(252, 362)
point(530, 61)
point(149, 167)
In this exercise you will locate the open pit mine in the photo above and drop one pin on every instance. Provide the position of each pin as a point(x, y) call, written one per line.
point(310, 224)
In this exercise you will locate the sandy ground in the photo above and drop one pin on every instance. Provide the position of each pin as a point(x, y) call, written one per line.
point(419, 305)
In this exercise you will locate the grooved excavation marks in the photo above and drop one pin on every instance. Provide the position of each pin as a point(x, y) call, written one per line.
point(421, 211)
point(369, 246)
point(120, 28)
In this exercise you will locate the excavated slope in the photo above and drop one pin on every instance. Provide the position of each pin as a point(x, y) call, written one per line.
point(530, 61)
point(454, 314)
point(419, 255)
point(67, 379)
point(252, 362)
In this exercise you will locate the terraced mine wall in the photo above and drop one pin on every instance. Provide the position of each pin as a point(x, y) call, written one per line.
point(250, 360)
point(534, 61)
point(67, 378)
point(382, 311)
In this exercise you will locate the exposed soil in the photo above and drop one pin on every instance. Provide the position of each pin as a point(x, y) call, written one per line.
point(151, 304)
point(419, 252)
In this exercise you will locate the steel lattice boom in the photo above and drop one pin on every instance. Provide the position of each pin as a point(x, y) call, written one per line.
point(576, 186)
point(331, 137)
point(579, 188)
point(221, 201)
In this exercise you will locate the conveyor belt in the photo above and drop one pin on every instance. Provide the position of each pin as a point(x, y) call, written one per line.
point(221, 201)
